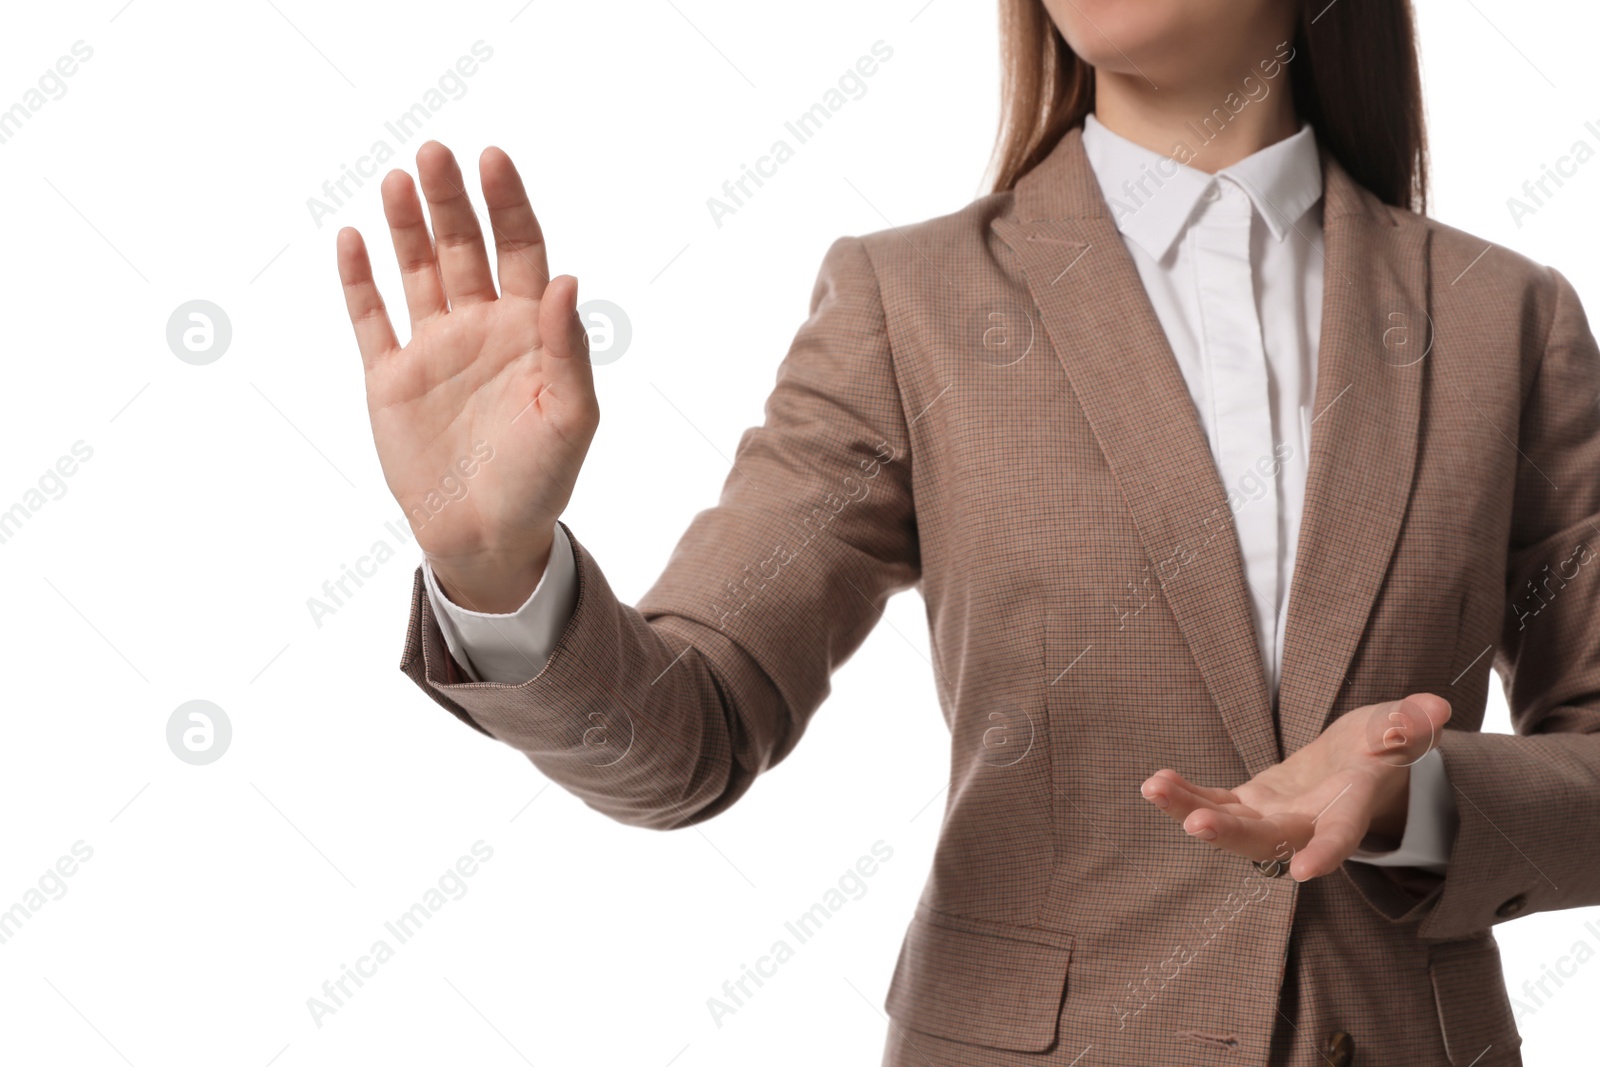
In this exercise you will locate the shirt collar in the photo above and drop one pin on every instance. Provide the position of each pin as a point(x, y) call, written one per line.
point(1153, 196)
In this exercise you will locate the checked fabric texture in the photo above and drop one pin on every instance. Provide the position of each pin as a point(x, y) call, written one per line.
point(1049, 492)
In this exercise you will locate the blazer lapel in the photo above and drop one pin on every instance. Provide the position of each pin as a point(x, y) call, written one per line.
point(1124, 375)
point(1372, 366)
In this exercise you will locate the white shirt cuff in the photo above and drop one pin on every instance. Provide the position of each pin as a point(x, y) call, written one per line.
point(511, 648)
point(1430, 822)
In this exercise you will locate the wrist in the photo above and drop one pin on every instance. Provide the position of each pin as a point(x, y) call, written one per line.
point(1392, 804)
point(494, 582)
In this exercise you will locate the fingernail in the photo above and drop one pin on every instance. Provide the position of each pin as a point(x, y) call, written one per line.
point(1158, 800)
point(1205, 833)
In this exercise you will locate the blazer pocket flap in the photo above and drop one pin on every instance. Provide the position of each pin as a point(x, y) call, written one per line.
point(1470, 993)
point(980, 982)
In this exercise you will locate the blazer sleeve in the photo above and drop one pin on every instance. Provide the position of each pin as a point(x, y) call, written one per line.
point(662, 715)
point(1529, 803)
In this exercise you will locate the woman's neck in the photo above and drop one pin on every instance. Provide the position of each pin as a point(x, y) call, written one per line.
point(1206, 125)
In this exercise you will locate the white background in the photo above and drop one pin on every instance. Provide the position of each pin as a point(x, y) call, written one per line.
point(218, 498)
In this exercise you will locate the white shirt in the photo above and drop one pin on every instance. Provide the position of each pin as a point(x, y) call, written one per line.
point(1232, 264)
point(1233, 267)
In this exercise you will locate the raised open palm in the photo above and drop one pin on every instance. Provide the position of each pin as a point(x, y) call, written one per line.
point(1311, 812)
point(495, 384)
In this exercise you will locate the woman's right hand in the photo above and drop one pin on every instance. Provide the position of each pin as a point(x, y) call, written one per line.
point(505, 375)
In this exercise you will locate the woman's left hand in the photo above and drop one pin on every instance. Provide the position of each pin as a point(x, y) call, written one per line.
point(1313, 809)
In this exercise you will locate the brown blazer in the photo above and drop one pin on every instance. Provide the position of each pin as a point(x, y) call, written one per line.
point(1055, 502)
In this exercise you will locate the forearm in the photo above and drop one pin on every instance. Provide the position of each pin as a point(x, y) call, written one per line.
point(1529, 804)
point(1529, 810)
point(654, 723)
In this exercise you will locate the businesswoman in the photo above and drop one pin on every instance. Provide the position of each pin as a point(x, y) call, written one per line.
point(1226, 475)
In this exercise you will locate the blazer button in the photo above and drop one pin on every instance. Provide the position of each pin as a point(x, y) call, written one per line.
point(1272, 868)
point(1513, 907)
point(1340, 1049)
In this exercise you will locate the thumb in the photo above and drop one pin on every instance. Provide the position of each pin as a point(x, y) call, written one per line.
point(1401, 732)
point(563, 334)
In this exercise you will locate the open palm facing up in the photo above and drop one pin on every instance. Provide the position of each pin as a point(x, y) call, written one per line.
point(1312, 811)
point(483, 418)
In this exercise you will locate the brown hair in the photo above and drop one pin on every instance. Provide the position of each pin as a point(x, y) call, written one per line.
point(1355, 78)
